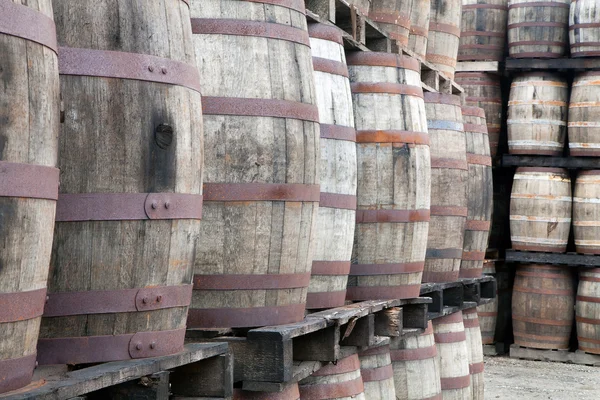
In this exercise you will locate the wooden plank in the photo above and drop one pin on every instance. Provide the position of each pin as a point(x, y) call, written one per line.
point(153, 387)
point(323, 8)
point(210, 378)
point(322, 345)
point(513, 64)
point(362, 334)
point(570, 259)
point(509, 160)
point(477, 66)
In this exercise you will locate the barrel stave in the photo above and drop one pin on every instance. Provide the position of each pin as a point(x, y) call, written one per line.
point(585, 212)
point(587, 312)
point(483, 30)
point(444, 35)
point(419, 27)
point(584, 115)
point(583, 28)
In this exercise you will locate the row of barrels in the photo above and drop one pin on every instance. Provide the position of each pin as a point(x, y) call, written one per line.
point(545, 305)
point(446, 361)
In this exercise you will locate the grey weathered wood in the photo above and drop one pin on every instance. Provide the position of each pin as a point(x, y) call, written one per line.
point(322, 345)
point(585, 213)
point(153, 387)
point(324, 9)
point(419, 22)
point(584, 112)
point(586, 310)
point(398, 11)
point(362, 334)
point(569, 259)
point(389, 322)
point(564, 356)
point(509, 160)
point(329, 375)
point(211, 378)
point(483, 30)
point(475, 352)
point(477, 66)
point(584, 40)
point(442, 47)
point(561, 64)
point(377, 357)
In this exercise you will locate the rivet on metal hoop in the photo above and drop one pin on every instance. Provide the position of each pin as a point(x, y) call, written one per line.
point(163, 70)
point(150, 68)
point(153, 345)
point(154, 205)
point(138, 346)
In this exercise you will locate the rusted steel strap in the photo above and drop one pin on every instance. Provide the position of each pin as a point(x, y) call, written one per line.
point(471, 322)
point(414, 354)
point(470, 272)
point(587, 299)
point(332, 390)
point(245, 317)
point(441, 59)
point(373, 216)
point(117, 301)
point(539, 4)
point(536, 25)
point(449, 163)
point(383, 292)
point(343, 366)
point(419, 31)
point(487, 314)
point(340, 201)
point(556, 292)
point(392, 17)
point(445, 28)
point(550, 249)
point(16, 372)
point(473, 111)
point(251, 282)
point(332, 268)
point(459, 382)
point(261, 192)
point(478, 159)
point(377, 59)
point(482, 46)
point(375, 351)
point(482, 33)
point(493, 100)
point(326, 32)
point(584, 25)
point(22, 306)
point(239, 27)
point(449, 211)
point(475, 225)
point(476, 128)
point(587, 340)
point(585, 44)
point(439, 276)
point(338, 132)
point(442, 98)
point(386, 269)
point(443, 253)
point(446, 125)
point(127, 206)
point(94, 349)
point(377, 374)
point(330, 66)
point(485, 6)
point(537, 274)
point(542, 321)
point(450, 337)
point(536, 43)
point(325, 299)
point(122, 65)
point(297, 5)
point(28, 180)
point(259, 108)
point(386, 88)
point(26, 23)
point(473, 255)
point(392, 136)
point(586, 278)
point(450, 319)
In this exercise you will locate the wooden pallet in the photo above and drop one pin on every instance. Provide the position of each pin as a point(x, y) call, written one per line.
point(559, 64)
point(451, 297)
point(564, 356)
point(511, 160)
point(147, 378)
point(564, 259)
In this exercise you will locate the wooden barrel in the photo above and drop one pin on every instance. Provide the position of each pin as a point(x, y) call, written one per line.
point(29, 124)
point(254, 254)
point(484, 90)
point(488, 313)
point(479, 192)
point(393, 177)
point(393, 16)
point(451, 343)
point(475, 351)
point(337, 211)
point(416, 366)
point(587, 311)
point(444, 35)
point(362, 6)
point(586, 214)
point(339, 381)
point(449, 180)
point(584, 115)
point(540, 209)
point(291, 392)
point(419, 27)
point(542, 306)
point(483, 30)
point(130, 201)
point(377, 373)
point(584, 34)
point(537, 29)
point(537, 114)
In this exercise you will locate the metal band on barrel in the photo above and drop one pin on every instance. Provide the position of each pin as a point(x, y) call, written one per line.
point(332, 390)
point(442, 98)
point(386, 269)
point(122, 65)
point(413, 354)
point(478, 159)
point(375, 351)
point(476, 225)
point(326, 32)
point(338, 132)
point(26, 23)
point(325, 299)
point(485, 6)
point(459, 382)
point(477, 368)
point(539, 4)
point(386, 88)
point(28, 180)
point(343, 366)
point(373, 216)
point(297, 5)
point(391, 136)
point(443, 253)
point(383, 292)
point(251, 282)
point(261, 192)
point(237, 106)
point(473, 255)
point(476, 128)
point(22, 306)
point(290, 392)
point(336, 200)
point(445, 28)
point(377, 374)
point(446, 125)
point(392, 17)
point(16, 372)
point(449, 163)
point(330, 66)
point(245, 317)
point(378, 59)
point(471, 322)
point(449, 319)
point(332, 268)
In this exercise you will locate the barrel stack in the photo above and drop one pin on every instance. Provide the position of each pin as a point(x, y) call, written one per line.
point(377, 372)
point(583, 28)
point(341, 380)
point(483, 30)
point(393, 16)
point(420, 15)
point(444, 35)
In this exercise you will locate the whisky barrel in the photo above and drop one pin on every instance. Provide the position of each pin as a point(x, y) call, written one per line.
point(484, 90)
point(419, 27)
point(537, 29)
point(586, 214)
point(29, 123)
point(479, 192)
point(449, 180)
point(130, 198)
point(540, 209)
point(444, 35)
point(291, 392)
point(584, 115)
point(488, 313)
point(335, 381)
point(393, 16)
point(337, 212)
point(475, 351)
point(584, 33)
point(254, 254)
point(542, 306)
point(587, 311)
point(483, 30)
point(416, 366)
point(377, 373)
point(393, 177)
point(451, 343)
point(537, 114)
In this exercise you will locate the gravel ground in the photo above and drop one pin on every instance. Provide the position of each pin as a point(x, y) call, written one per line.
point(513, 379)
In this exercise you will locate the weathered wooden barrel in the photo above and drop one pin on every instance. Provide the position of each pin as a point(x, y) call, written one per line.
point(586, 213)
point(451, 343)
point(587, 311)
point(416, 366)
point(362, 6)
point(291, 392)
point(479, 192)
point(337, 208)
point(540, 209)
point(484, 90)
point(254, 254)
point(339, 381)
point(29, 124)
point(584, 115)
point(483, 30)
point(475, 351)
point(537, 29)
point(542, 306)
point(488, 313)
point(449, 180)
point(419, 27)
point(393, 177)
point(377, 373)
point(537, 114)
point(130, 201)
point(444, 35)
point(393, 16)
point(584, 35)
